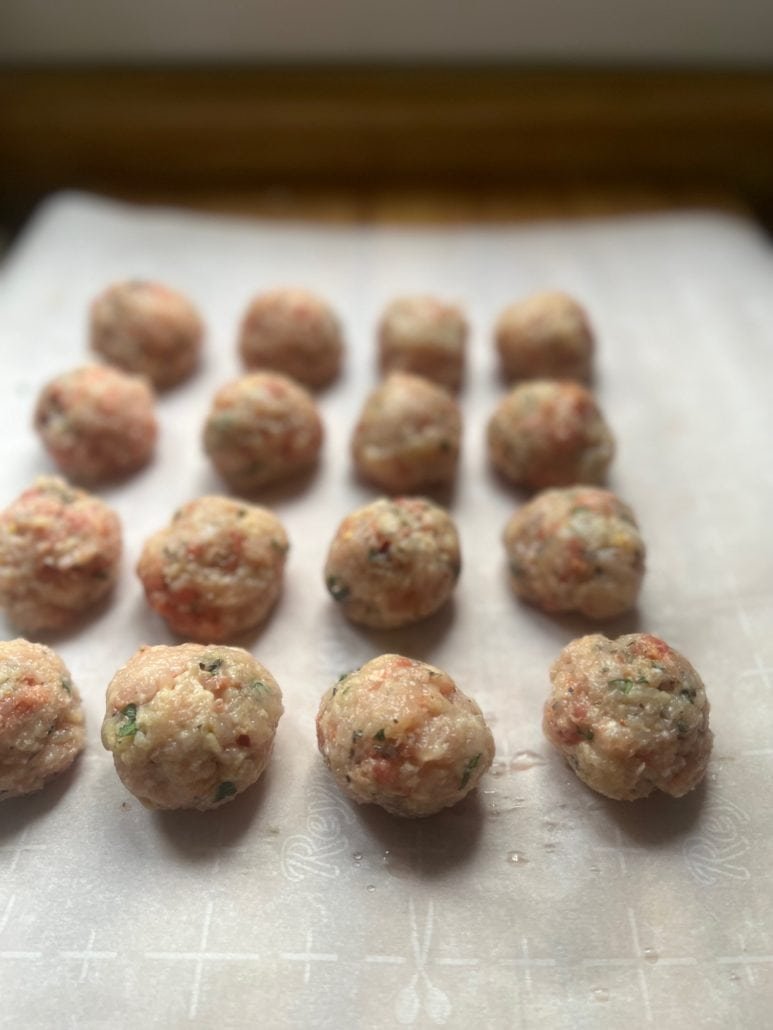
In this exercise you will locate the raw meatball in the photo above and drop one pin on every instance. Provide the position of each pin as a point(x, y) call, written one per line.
point(629, 715)
point(576, 550)
point(295, 332)
point(549, 433)
point(147, 328)
point(394, 562)
point(408, 435)
point(424, 336)
point(216, 570)
point(97, 423)
point(59, 554)
point(41, 718)
point(191, 726)
point(545, 336)
point(400, 734)
point(262, 428)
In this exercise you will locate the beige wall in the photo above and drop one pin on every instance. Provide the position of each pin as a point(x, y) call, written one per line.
point(683, 31)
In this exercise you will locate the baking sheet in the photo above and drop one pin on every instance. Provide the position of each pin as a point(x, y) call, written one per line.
point(535, 902)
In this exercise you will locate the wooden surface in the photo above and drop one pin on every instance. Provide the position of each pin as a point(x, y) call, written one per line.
point(395, 143)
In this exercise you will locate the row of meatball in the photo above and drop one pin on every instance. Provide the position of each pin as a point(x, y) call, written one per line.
point(192, 726)
point(98, 423)
point(216, 570)
point(149, 329)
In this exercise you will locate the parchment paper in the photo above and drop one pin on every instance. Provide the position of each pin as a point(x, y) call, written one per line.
point(535, 902)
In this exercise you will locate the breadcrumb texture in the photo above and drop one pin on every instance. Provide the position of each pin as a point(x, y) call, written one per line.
point(425, 336)
point(393, 562)
point(41, 717)
point(262, 428)
point(60, 549)
point(216, 570)
point(400, 734)
point(629, 715)
point(576, 549)
point(147, 328)
point(545, 336)
point(550, 433)
point(191, 726)
point(408, 435)
point(97, 423)
point(293, 331)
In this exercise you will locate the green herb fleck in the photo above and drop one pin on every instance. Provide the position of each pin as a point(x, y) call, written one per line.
point(129, 727)
point(240, 514)
point(681, 729)
point(338, 589)
point(623, 685)
point(225, 790)
point(278, 546)
point(260, 686)
point(585, 732)
point(468, 770)
point(211, 665)
point(380, 735)
point(66, 685)
point(689, 693)
point(356, 735)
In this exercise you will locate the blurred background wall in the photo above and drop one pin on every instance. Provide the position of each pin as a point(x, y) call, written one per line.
point(673, 32)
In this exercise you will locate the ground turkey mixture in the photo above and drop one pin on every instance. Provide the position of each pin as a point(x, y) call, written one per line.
point(425, 336)
point(295, 332)
point(549, 433)
point(576, 549)
point(41, 718)
point(262, 428)
point(408, 435)
point(97, 423)
point(191, 726)
point(546, 336)
point(400, 734)
point(393, 562)
point(216, 570)
point(629, 715)
point(60, 549)
point(147, 328)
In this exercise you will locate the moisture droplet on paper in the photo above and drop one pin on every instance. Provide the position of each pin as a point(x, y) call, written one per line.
point(523, 760)
point(516, 858)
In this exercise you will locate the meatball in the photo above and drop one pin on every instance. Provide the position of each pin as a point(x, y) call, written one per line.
point(548, 336)
point(576, 549)
point(147, 328)
point(294, 332)
point(60, 550)
point(97, 423)
point(400, 734)
point(216, 570)
point(408, 435)
point(549, 433)
point(41, 717)
point(393, 562)
point(191, 726)
point(629, 715)
point(262, 428)
point(425, 336)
